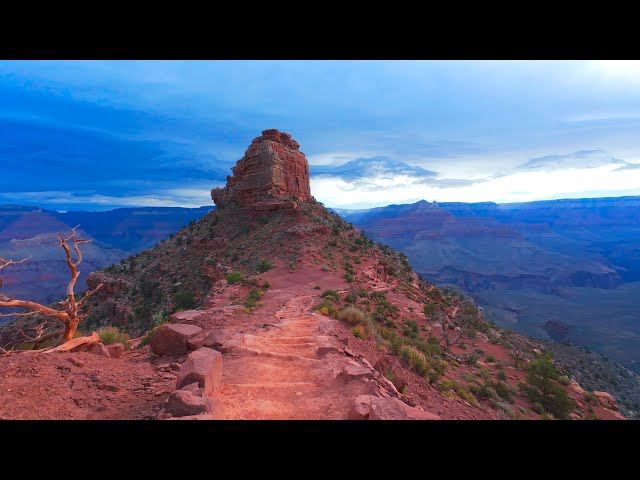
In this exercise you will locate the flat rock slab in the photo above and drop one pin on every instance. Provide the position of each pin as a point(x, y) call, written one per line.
point(204, 367)
point(354, 371)
point(369, 407)
point(176, 339)
point(185, 317)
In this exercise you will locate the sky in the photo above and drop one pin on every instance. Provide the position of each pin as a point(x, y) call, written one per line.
point(96, 135)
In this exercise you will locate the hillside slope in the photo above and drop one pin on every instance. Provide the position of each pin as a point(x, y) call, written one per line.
point(313, 319)
point(565, 270)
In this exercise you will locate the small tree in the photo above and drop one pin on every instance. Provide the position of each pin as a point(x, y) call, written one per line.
point(71, 313)
point(542, 387)
point(449, 337)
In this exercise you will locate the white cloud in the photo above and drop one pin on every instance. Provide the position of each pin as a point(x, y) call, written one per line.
point(516, 187)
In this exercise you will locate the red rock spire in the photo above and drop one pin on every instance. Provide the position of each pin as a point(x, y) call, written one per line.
point(272, 175)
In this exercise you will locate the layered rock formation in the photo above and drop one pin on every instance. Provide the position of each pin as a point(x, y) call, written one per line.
point(272, 175)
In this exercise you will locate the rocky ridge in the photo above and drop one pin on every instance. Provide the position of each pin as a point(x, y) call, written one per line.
point(275, 293)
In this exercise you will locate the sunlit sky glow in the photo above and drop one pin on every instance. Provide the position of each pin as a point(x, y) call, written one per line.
point(99, 135)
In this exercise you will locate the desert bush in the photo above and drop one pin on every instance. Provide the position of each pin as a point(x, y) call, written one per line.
point(184, 299)
point(331, 295)
point(351, 315)
point(503, 391)
point(502, 375)
point(350, 298)
point(265, 265)
point(109, 335)
point(233, 277)
point(349, 277)
point(490, 359)
point(564, 380)
point(266, 285)
point(326, 308)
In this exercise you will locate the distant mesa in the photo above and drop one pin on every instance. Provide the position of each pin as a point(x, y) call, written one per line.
point(272, 175)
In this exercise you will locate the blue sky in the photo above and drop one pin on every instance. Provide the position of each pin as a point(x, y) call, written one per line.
point(105, 134)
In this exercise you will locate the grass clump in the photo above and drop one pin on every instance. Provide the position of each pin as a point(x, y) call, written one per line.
point(351, 315)
point(233, 277)
point(109, 335)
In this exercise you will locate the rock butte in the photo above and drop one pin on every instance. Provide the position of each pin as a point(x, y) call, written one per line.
point(272, 175)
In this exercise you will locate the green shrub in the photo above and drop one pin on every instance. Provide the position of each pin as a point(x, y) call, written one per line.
point(351, 315)
point(490, 359)
point(502, 375)
point(333, 243)
point(233, 277)
point(109, 335)
point(503, 391)
point(266, 285)
point(265, 265)
point(542, 387)
point(349, 277)
point(564, 380)
point(331, 294)
point(184, 299)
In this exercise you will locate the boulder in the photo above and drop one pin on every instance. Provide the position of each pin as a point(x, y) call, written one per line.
point(213, 340)
point(99, 349)
point(605, 397)
point(360, 408)
point(193, 388)
point(182, 403)
point(115, 349)
point(173, 338)
point(204, 367)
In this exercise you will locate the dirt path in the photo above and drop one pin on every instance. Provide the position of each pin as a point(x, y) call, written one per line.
point(289, 370)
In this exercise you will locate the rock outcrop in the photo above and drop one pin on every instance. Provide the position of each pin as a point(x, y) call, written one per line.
point(272, 175)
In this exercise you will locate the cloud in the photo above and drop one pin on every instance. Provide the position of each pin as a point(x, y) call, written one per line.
point(370, 167)
point(628, 166)
point(579, 159)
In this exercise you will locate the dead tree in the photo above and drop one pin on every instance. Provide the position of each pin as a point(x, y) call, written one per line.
point(448, 338)
point(71, 311)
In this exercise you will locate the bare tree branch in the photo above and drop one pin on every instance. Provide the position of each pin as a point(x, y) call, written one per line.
point(70, 314)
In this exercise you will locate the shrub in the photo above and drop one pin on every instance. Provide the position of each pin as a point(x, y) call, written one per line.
point(350, 298)
point(233, 277)
point(265, 265)
point(502, 375)
point(266, 285)
point(490, 359)
point(542, 387)
point(331, 294)
point(503, 391)
point(333, 243)
point(415, 359)
point(184, 300)
point(326, 307)
point(317, 287)
point(110, 334)
point(564, 380)
point(358, 331)
point(351, 315)
point(349, 277)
